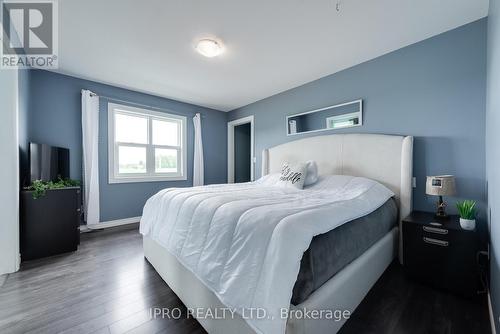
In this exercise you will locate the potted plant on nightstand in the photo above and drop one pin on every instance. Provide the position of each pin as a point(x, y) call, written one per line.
point(467, 212)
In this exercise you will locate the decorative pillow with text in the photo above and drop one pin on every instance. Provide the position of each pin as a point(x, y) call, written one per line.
point(293, 175)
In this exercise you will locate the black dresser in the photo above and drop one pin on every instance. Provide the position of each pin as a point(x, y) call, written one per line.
point(440, 253)
point(49, 224)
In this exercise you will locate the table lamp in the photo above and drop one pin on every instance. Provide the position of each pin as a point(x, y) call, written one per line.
point(441, 185)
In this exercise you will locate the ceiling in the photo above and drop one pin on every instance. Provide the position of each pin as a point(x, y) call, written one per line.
point(271, 46)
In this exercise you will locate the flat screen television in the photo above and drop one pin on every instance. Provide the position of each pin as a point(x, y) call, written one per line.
point(48, 163)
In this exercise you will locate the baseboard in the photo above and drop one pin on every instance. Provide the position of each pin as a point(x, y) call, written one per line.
point(492, 317)
point(110, 223)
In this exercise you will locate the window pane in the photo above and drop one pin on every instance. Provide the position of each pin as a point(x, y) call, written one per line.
point(165, 133)
point(341, 123)
point(131, 159)
point(131, 129)
point(165, 160)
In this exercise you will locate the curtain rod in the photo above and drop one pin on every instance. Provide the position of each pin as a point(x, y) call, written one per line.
point(140, 104)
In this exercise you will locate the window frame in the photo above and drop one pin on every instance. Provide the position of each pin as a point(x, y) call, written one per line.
point(150, 176)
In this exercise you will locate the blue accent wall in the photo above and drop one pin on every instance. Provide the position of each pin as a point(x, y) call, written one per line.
point(493, 154)
point(434, 90)
point(55, 119)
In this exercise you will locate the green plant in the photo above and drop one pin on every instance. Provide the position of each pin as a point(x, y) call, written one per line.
point(40, 187)
point(467, 209)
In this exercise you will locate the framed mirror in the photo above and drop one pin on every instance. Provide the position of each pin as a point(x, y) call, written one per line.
point(344, 115)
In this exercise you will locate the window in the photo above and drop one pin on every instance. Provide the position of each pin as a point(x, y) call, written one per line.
point(145, 145)
point(343, 121)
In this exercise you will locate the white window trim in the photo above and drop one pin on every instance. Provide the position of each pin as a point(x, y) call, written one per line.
point(113, 176)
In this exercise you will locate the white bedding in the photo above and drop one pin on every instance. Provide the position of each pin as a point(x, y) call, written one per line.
point(245, 241)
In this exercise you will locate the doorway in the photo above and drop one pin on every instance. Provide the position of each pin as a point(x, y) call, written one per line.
point(241, 158)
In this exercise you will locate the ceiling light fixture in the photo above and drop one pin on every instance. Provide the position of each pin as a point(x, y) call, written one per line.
point(209, 47)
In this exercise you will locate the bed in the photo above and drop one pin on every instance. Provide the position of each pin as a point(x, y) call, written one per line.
point(207, 281)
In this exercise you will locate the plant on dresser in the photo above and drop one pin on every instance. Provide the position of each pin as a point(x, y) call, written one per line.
point(467, 212)
point(40, 187)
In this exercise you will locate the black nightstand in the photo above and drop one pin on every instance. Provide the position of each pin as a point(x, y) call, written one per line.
point(440, 253)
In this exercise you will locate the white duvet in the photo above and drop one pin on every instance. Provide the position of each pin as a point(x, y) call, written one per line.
point(245, 241)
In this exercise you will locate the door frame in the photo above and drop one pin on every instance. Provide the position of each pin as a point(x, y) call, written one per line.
point(230, 147)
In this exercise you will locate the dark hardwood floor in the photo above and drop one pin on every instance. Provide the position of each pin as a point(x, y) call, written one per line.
point(108, 287)
point(397, 305)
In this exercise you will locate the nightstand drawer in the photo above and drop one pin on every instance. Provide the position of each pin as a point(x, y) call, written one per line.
point(424, 252)
point(421, 233)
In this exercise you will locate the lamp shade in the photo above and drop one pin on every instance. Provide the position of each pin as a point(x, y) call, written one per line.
point(441, 185)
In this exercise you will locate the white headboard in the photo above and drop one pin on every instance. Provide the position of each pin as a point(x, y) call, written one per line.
point(387, 159)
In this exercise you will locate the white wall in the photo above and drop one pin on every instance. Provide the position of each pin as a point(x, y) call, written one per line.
point(9, 170)
point(493, 153)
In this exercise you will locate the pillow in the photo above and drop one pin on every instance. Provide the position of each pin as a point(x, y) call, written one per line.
point(293, 175)
point(312, 173)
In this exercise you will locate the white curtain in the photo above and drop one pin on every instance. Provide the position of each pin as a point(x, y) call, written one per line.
point(90, 132)
point(198, 171)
